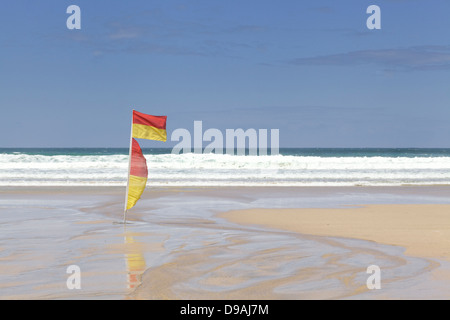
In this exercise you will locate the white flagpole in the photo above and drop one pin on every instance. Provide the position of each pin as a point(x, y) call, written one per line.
point(129, 167)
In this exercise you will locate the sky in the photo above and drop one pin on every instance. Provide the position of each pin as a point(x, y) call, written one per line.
point(311, 69)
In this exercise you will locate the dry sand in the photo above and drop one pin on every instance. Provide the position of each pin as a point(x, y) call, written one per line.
point(424, 230)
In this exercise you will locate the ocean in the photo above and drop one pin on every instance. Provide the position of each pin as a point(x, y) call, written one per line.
point(291, 167)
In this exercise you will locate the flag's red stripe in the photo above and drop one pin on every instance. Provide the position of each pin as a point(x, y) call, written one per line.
point(138, 165)
point(148, 120)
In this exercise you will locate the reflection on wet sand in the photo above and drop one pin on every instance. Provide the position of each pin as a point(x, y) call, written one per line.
point(135, 260)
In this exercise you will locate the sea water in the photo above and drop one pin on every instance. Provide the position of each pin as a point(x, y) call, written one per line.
point(291, 167)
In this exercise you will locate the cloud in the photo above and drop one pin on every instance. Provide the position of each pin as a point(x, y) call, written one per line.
point(166, 36)
point(125, 33)
point(401, 59)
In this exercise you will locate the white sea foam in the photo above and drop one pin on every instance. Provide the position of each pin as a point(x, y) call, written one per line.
point(216, 170)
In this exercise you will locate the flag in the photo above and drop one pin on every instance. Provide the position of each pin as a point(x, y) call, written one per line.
point(137, 178)
point(143, 126)
point(149, 127)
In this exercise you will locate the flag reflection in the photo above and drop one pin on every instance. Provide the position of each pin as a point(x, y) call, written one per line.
point(135, 261)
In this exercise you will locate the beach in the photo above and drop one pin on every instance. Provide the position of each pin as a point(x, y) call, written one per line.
point(225, 242)
point(220, 150)
point(423, 230)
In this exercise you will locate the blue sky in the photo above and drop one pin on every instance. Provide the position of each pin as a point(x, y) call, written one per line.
point(311, 69)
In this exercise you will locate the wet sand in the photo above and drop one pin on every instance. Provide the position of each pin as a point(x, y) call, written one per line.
point(182, 244)
point(423, 229)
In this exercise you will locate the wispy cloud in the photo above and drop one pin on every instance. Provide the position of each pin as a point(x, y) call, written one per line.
point(399, 59)
point(155, 32)
point(125, 33)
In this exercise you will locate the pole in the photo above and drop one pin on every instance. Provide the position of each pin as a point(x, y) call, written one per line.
point(129, 167)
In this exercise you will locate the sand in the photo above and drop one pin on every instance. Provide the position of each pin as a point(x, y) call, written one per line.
point(423, 229)
point(225, 243)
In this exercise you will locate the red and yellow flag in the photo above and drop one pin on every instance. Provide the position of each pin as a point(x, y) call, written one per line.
point(137, 179)
point(144, 126)
point(149, 127)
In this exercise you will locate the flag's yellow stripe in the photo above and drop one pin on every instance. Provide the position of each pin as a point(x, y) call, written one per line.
point(136, 186)
point(142, 131)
